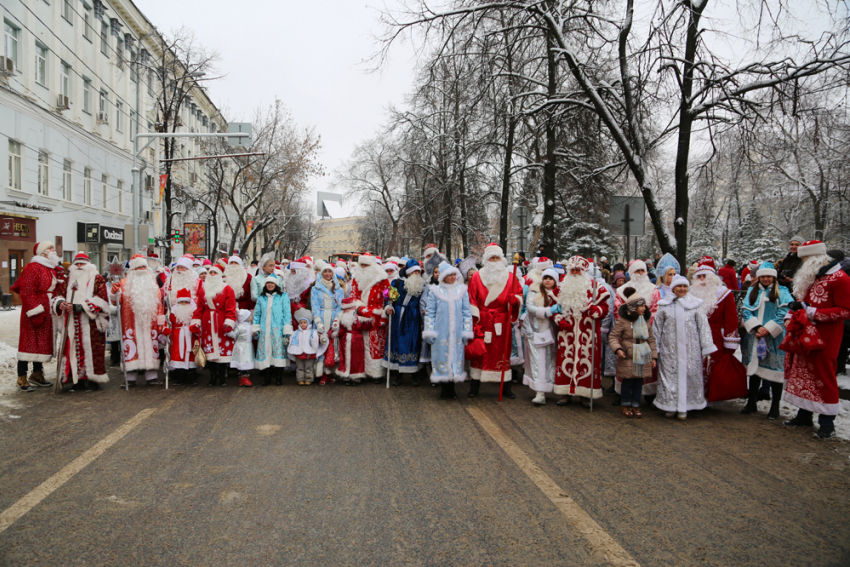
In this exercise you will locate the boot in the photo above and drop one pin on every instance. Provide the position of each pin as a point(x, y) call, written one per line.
point(178, 377)
point(776, 393)
point(506, 391)
point(539, 399)
point(474, 385)
point(752, 396)
point(245, 382)
point(443, 390)
point(397, 380)
point(213, 366)
point(764, 392)
point(23, 385)
point(192, 377)
point(37, 379)
point(415, 381)
point(266, 374)
point(222, 376)
point(803, 419)
point(450, 391)
point(278, 379)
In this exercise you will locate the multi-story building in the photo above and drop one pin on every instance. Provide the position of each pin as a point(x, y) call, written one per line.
point(77, 81)
point(338, 230)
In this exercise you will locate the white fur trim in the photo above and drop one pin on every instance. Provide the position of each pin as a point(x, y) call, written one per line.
point(287, 329)
point(818, 249)
point(816, 407)
point(255, 329)
point(538, 385)
point(160, 320)
point(42, 247)
point(429, 335)
point(751, 324)
point(766, 272)
point(491, 251)
point(229, 323)
point(466, 335)
point(35, 311)
point(32, 357)
point(475, 312)
point(582, 392)
point(138, 263)
point(367, 260)
point(430, 251)
point(636, 265)
point(195, 322)
point(774, 329)
point(709, 350)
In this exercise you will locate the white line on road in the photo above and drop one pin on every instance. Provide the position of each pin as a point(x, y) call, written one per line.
point(42, 491)
point(601, 543)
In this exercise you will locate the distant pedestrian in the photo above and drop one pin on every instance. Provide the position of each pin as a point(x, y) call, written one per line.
point(787, 267)
point(633, 342)
point(729, 276)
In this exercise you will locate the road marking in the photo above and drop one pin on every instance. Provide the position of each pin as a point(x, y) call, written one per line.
point(39, 493)
point(602, 544)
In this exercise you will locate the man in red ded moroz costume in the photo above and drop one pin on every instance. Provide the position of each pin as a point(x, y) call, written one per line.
point(349, 356)
point(368, 289)
point(160, 272)
point(578, 356)
point(181, 357)
point(495, 298)
point(138, 298)
point(298, 283)
point(84, 299)
point(214, 318)
point(822, 291)
point(183, 276)
point(239, 280)
point(724, 376)
point(37, 286)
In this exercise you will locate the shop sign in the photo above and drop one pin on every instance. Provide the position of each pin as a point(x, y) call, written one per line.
point(18, 229)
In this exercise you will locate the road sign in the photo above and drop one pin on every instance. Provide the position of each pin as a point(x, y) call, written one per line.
point(626, 216)
point(240, 127)
point(519, 219)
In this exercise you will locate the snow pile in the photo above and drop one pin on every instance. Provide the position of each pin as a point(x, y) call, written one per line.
point(8, 368)
point(787, 411)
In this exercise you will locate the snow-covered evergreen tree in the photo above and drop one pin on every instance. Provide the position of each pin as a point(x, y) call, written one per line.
point(703, 243)
point(755, 239)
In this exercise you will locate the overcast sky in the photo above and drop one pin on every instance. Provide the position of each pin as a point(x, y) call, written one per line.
point(311, 55)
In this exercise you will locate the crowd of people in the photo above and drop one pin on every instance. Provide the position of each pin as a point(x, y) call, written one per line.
point(669, 339)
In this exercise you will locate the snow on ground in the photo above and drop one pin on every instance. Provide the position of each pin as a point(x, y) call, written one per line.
point(787, 411)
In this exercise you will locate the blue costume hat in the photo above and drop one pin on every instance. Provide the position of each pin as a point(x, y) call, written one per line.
point(665, 263)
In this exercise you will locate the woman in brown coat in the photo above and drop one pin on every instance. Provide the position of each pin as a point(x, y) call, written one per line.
point(634, 344)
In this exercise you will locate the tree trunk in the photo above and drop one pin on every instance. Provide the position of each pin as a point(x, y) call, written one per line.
point(506, 183)
point(549, 163)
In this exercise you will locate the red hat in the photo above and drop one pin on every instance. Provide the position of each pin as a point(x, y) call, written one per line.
point(367, 259)
point(183, 294)
point(81, 257)
point(578, 262)
point(138, 261)
point(812, 248)
point(491, 250)
point(348, 302)
point(705, 264)
point(207, 262)
point(153, 255)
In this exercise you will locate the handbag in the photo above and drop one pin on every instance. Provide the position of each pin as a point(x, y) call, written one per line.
point(801, 336)
point(200, 355)
point(543, 339)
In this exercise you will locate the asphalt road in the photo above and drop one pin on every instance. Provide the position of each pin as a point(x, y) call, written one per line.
point(364, 476)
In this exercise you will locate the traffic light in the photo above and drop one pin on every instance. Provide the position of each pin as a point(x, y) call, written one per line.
point(177, 237)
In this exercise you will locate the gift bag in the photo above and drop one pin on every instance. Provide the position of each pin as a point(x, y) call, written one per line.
point(801, 336)
point(728, 379)
point(200, 355)
point(475, 349)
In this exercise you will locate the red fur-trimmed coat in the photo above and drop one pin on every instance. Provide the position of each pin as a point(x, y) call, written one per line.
point(724, 333)
point(245, 301)
point(140, 340)
point(85, 345)
point(370, 304)
point(37, 287)
point(212, 317)
point(574, 375)
point(811, 382)
point(180, 352)
point(494, 311)
point(349, 358)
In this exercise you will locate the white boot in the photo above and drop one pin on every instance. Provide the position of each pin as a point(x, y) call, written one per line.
point(539, 399)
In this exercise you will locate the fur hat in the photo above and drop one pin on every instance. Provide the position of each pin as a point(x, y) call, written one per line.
point(340, 273)
point(367, 259)
point(636, 265)
point(349, 302)
point(541, 263)
point(183, 294)
point(185, 262)
point(490, 251)
point(766, 269)
point(577, 262)
point(410, 267)
point(551, 273)
point(705, 264)
point(447, 269)
point(679, 280)
point(633, 300)
point(430, 249)
point(81, 257)
point(812, 248)
point(138, 261)
point(303, 315)
point(235, 259)
point(390, 266)
point(42, 247)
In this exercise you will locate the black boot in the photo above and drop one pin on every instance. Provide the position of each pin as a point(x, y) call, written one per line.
point(222, 374)
point(397, 380)
point(764, 392)
point(474, 385)
point(752, 396)
point(178, 377)
point(192, 377)
point(266, 375)
point(803, 419)
point(213, 368)
point(450, 391)
point(776, 392)
point(506, 391)
point(278, 379)
point(443, 390)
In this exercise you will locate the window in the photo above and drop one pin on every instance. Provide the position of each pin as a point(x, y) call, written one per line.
point(68, 11)
point(119, 51)
point(88, 30)
point(66, 180)
point(119, 115)
point(87, 95)
point(120, 185)
point(104, 187)
point(87, 186)
point(150, 82)
point(104, 38)
point(41, 65)
point(65, 80)
point(10, 41)
point(103, 105)
point(43, 174)
point(14, 165)
point(133, 121)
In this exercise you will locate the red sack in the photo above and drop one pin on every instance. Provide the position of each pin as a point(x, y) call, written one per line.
point(801, 336)
point(475, 349)
point(331, 353)
point(728, 380)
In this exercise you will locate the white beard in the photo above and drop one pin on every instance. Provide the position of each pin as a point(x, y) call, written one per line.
point(53, 258)
point(572, 296)
point(347, 318)
point(142, 294)
point(805, 276)
point(369, 276)
point(642, 286)
point(494, 274)
point(414, 284)
point(706, 290)
point(82, 276)
point(535, 275)
point(213, 285)
point(235, 276)
point(183, 313)
point(181, 280)
point(298, 282)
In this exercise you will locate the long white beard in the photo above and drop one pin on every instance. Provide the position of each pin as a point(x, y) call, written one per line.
point(213, 285)
point(82, 275)
point(642, 286)
point(183, 313)
point(805, 276)
point(235, 276)
point(494, 274)
point(53, 258)
point(369, 276)
point(414, 284)
point(706, 290)
point(572, 296)
point(297, 283)
point(346, 318)
point(181, 280)
point(142, 294)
